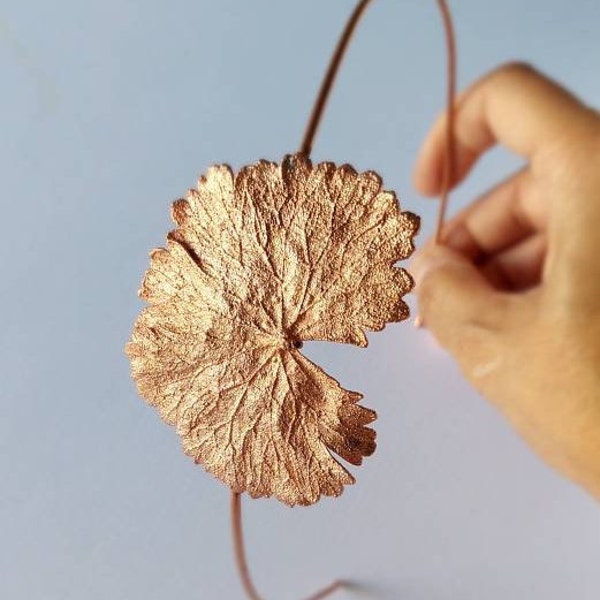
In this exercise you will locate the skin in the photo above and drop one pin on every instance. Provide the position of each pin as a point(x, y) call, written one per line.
point(513, 293)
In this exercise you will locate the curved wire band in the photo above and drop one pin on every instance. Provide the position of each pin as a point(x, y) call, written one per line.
point(333, 69)
point(242, 563)
point(306, 148)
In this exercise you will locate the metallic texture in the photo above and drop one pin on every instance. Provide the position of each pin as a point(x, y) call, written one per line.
point(261, 261)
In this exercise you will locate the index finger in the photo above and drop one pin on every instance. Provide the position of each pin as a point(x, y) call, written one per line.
point(515, 106)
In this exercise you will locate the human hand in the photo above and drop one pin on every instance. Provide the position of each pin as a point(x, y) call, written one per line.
point(514, 291)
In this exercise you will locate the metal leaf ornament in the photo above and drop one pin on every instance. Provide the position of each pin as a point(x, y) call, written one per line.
point(260, 262)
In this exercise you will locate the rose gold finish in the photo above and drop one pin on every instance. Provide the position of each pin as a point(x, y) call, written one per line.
point(242, 563)
point(449, 157)
point(239, 548)
point(330, 76)
point(329, 80)
point(260, 262)
point(328, 591)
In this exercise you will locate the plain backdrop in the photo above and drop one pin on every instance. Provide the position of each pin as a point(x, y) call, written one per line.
point(109, 110)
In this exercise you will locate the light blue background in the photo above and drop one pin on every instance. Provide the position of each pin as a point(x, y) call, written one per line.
point(108, 111)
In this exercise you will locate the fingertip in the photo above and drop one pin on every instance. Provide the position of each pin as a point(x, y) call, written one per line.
point(425, 180)
point(429, 258)
point(452, 294)
point(427, 176)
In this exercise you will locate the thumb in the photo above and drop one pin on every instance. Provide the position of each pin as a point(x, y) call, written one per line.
point(457, 304)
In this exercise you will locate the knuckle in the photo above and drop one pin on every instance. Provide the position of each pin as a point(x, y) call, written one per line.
point(517, 68)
